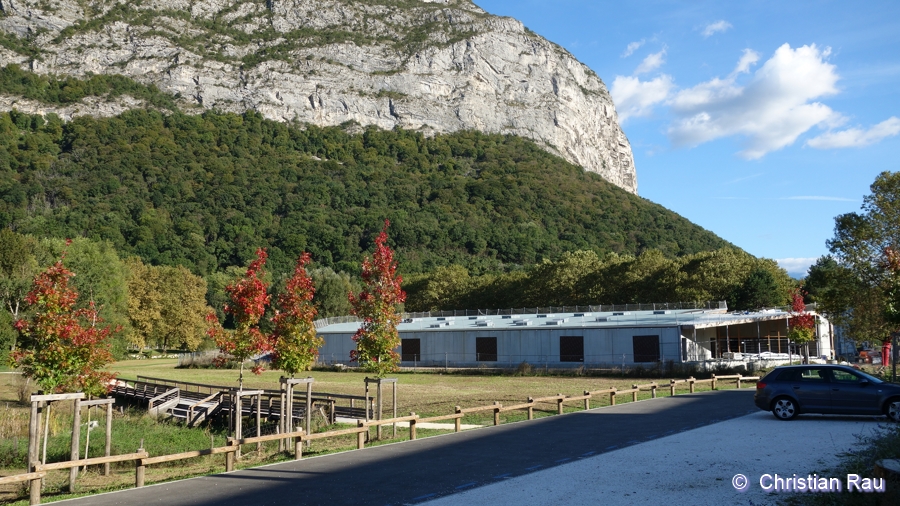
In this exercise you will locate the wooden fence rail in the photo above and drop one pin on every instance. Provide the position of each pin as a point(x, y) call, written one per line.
point(142, 458)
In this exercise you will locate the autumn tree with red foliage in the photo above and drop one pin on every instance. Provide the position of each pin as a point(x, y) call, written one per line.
point(377, 338)
point(802, 325)
point(62, 348)
point(295, 340)
point(248, 304)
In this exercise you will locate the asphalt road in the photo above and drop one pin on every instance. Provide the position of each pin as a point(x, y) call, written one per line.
point(424, 469)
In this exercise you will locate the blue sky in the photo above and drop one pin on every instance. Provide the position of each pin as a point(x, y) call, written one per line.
point(760, 121)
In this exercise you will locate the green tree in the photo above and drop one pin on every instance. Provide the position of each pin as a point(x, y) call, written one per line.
point(296, 343)
point(102, 280)
point(144, 301)
point(377, 338)
point(18, 266)
point(558, 283)
point(862, 246)
point(62, 347)
point(331, 291)
point(183, 309)
point(248, 302)
point(759, 290)
point(442, 289)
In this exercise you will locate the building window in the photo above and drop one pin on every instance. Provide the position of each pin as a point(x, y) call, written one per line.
point(410, 350)
point(486, 349)
point(571, 349)
point(646, 348)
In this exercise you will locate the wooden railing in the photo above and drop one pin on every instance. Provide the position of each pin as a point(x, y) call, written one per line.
point(142, 458)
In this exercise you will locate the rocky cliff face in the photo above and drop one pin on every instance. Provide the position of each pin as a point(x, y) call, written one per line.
point(431, 65)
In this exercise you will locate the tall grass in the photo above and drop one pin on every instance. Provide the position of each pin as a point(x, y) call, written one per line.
point(130, 430)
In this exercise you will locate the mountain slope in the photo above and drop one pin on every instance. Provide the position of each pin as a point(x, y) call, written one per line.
point(205, 191)
point(436, 66)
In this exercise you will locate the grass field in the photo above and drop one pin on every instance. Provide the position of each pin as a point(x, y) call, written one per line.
point(426, 393)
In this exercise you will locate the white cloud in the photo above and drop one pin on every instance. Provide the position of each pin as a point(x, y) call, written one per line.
point(857, 137)
point(750, 57)
point(632, 47)
point(651, 62)
point(819, 197)
point(770, 111)
point(719, 26)
point(634, 97)
point(745, 178)
point(796, 267)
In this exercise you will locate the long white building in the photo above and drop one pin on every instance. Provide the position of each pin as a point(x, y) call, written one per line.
point(583, 338)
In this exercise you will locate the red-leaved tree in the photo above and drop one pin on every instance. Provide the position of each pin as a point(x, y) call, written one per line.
point(802, 325)
point(377, 338)
point(248, 304)
point(62, 348)
point(295, 340)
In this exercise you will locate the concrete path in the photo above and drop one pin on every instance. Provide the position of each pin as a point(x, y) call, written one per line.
point(694, 467)
point(415, 471)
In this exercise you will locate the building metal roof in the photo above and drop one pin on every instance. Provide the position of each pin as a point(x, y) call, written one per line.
point(688, 318)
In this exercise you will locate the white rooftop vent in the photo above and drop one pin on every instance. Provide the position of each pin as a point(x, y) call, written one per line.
point(506, 317)
point(603, 319)
point(521, 323)
point(663, 311)
point(579, 315)
point(439, 325)
point(557, 322)
point(622, 313)
point(546, 315)
point(484, 323)
point(446, 318)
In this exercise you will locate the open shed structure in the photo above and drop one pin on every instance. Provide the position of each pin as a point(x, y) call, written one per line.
point(573, 339)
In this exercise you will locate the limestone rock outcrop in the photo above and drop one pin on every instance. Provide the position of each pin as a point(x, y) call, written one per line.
point(430, 65)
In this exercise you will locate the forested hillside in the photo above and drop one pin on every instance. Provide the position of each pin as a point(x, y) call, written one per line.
point(205, 191)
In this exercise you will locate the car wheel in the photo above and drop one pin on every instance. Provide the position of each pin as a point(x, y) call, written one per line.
point(893, 410)
point(785, 408)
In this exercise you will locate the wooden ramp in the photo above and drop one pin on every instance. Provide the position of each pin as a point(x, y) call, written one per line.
point(195, 403)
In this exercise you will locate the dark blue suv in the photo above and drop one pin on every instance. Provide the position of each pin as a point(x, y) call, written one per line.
point(791, 390)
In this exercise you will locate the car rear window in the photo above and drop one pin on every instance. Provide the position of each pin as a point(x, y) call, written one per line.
point(802, 374)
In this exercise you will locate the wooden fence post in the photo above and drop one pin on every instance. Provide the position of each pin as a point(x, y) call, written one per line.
point(457, 422)
point(531, 409)
point(412, 427)
point(672, 388)
point(496, 413)
point(559, 404)
point(139, 473)
point(76, 435)
point(739, 381)
point(587, 400)
point(634, 393)
point(258, 409)
point(691, 383)
point(612, 397)
point(361, 436)
point(229, 462)
point(34, 432)
point(653, 390)
point(109, 411)
point(34, 488)
point(298, 447)
point(713, 381)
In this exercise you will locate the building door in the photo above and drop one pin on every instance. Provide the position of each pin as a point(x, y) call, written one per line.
point(571, 348)
point(486, 349)
point(410, 350)
point(646, 348)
